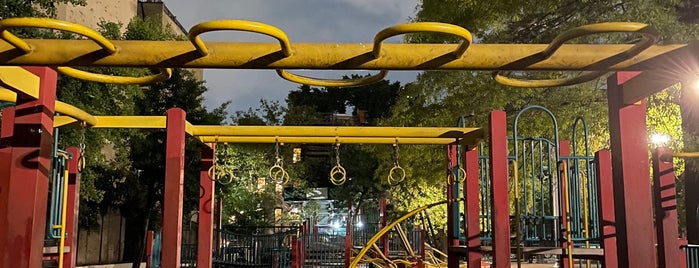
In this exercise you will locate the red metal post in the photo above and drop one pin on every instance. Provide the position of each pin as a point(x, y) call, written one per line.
point(563, 151)
point(8, 121)
point(219, 225)
point(472, 211)
point(665, 209)
point(683, 253)
point(174, 181)
point(452, 163)
point(150, 235)
point(7, 128)
point(632, 190)
point(498, 187)
point(384, 238)
point(348, 235)
point(23, 207)
point(206, 208)
point(73, 205)
point(605, 202)
point(295, 256)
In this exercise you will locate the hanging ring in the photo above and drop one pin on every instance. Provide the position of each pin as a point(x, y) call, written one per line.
point(431, 27)
point(281, 176)
point(81, 163)
point(237, 25)
point(396, 175)
point(338, 175)
point(649, 37)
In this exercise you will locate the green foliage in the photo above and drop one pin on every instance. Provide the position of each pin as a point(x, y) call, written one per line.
point(33, 8)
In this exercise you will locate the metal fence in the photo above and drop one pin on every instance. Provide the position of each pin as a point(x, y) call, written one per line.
point(692, 252)
point(323, 250)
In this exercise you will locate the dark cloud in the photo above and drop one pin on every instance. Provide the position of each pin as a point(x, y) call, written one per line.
point(337, 21)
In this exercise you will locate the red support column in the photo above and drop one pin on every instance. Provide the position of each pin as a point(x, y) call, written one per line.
point(563, 150)
point(665, 196)
point(632, 190)
point(498, 187)
point(7, 128)
point(174, 181)
point(206, 208)
point(150, 235)
point(605, 202)
point(384, 238)
point(24, 199)
point(295, 256)
point(472, 210)
point(8, 121)
point(452, 182)
point(73, 205)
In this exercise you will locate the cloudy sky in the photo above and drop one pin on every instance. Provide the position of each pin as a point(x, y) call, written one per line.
point(326, 21)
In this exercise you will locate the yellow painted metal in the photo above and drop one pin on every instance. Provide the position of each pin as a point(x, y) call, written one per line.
point(154, 122)
point(329, 140)
point(163, 75)
point(432, 27)
point(64, 210)
point(237, 25)
point(686, 154)
point(332, 131)
point(230, 55)
point(47, 23)
point(17, 79)
point(76, 113)
point(649, 37)
point(189, 128)
point(332, 82)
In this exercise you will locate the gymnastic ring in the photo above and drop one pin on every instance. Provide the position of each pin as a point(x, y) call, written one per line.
point(305, 80)
point(237, 25)
point(275, 171)
point(462, 172)
point(228, 174)
point(649, 37)
point(335, 171)
point(395, 181)
point(212, 172)
point(431, 27)
point(163, 75)
point(47, 23)
point(81, 163)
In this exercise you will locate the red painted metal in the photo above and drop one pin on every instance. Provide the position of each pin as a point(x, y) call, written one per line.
point(174, 181)
point(218, 226)
point(206, 208)
point(7, 128)
point(683, 253)
point(295, 248)
point(348, 234)
point(632, 191)
point(73, 207)
point(452, 163)
point(472, 211)
point(605, 202)
point(8, 121)
point(384, 238)
point(563, 150)
point(23, 222)
point(150, 235)
point(665, 196)
point(499, 194)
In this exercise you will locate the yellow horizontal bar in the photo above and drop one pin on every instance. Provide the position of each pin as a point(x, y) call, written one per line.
point(130, 121)
point(324, 131)
point(188, 128)
point(17, 79)
point(75, 112)
point(326, 140)
point(59, 121)
point(686, 155)
point(329, 56)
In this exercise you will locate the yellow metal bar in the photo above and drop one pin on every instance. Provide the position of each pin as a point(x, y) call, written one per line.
point(329, 56)
point(686, 154)
point(64, 209)
point(17, 79)
point(237, 25)
point(416, 27)
point(188, 128)
point(49, 24)
point(327, 140)
point(163, 75)
point(332, 82)
point(323, 131)
point(76, 113)
point(130, 122)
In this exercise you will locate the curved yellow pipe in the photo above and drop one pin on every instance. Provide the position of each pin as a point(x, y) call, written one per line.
point(61, 107)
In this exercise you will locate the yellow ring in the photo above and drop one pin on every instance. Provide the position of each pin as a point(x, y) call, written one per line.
point(81, 163)
point(237, 25)
point(211, 171)
point(50, 24)
point(391, 179)
point(164, 74)
point(338, 170)
point(432, 27)
point(332, 82)
point(227, 173)
point(284, 178)
point(649, 37)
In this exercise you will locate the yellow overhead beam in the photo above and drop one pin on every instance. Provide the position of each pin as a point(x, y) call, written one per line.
point(331, 131)
point(326, 140)
point(17, 79)
point(329, 56)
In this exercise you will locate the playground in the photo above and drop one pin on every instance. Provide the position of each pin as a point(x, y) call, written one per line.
point(511, 201)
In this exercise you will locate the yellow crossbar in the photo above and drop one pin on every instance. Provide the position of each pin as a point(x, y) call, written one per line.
point(330, 140)
point(326, 131)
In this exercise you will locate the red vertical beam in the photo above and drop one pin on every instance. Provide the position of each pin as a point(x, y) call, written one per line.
point(605, 202)
point(206, 208)
point(149, 248)
point(683, 253)
point(348, 234)
point(632, 191)
point(174, 181)
point(295, 256)
point(472, 209)
point(665, 195)
point(563, 150)
point(6, 130)
point(72, 207)
point(498, 187)
point(452, 163)
point(219, 225)
point(384, 238)
point(23, 222)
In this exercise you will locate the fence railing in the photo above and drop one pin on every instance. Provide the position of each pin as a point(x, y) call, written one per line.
point(692, 252)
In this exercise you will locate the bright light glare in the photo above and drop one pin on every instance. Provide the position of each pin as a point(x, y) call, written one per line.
point(360, 224)
point(659, 139)
point(336, 225)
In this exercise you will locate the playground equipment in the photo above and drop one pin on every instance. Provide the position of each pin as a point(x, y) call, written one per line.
point(625, 214)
